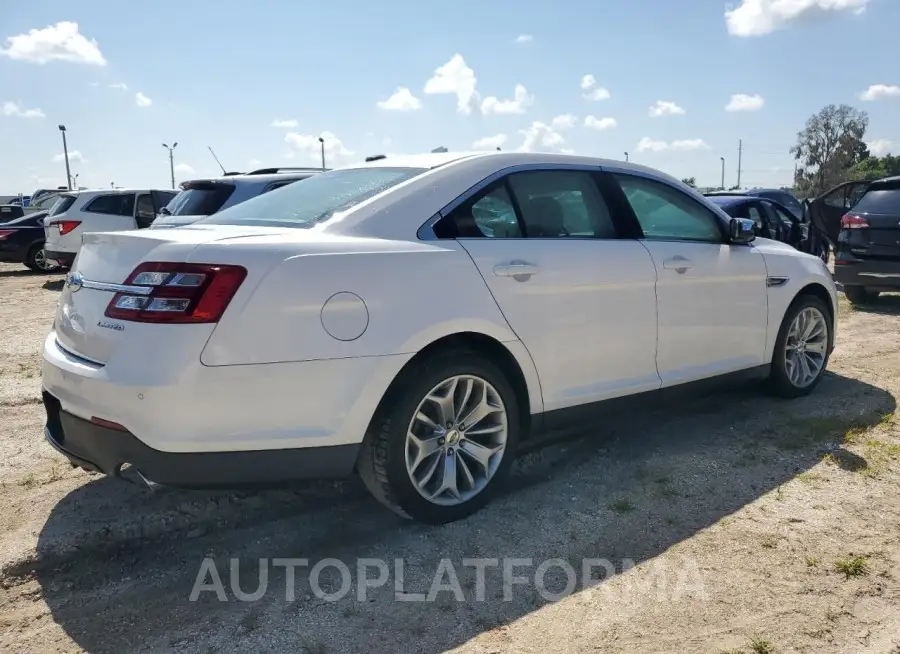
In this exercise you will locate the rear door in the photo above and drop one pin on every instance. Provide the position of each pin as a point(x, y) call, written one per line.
point(579, 296)
point(872, 227)
point(827, 210)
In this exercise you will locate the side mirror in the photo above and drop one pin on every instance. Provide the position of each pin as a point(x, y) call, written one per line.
point(741, 230)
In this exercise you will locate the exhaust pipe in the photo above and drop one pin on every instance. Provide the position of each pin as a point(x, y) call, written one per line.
point(131, 474)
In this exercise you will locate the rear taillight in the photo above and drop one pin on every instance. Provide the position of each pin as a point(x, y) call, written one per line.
point(64, 226)
point(177, 293)
point(6, 232)
point(852, 221)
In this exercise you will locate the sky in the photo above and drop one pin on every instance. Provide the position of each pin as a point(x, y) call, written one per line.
point(676, 85)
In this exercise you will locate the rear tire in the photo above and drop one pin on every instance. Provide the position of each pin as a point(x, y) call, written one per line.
point(427, 403)
point(36, 261)
point(859, 294)
point(804, 342)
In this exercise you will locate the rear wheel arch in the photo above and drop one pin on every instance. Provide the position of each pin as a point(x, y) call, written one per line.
point(476, 343)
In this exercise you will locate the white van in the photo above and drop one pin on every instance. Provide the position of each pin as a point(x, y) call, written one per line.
point(110, 210)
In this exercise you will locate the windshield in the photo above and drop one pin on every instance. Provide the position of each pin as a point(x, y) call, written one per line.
point(315, 200)
point(198, 199)
point(62, 204)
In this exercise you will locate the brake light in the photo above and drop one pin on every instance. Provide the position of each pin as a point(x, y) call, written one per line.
point(6, 232)
point(65, 226)
point(852, 221)
point(165, 292)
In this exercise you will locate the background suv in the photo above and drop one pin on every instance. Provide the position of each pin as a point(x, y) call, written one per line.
point(203, 197)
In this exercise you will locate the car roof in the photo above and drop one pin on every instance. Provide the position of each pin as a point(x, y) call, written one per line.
point(724, 199)
point(258, 177)
point(115, 191)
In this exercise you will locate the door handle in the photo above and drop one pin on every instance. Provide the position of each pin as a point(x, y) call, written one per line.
point(679, 264)
point(520, 270)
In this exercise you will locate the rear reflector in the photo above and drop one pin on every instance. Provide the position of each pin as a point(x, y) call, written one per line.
point(109, 424)
point(181, 293)
point(64, 226)
point(6, 232)
point(852, 221)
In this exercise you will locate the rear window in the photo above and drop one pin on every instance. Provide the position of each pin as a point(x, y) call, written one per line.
point(10, 212)
point(119, 204)
point(200, 199)
point(63, 202)
point(880, 200)
point(315, 200)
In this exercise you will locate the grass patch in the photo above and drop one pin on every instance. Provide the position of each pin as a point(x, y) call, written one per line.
point(622, 506)
point(852, 566)
point(812, 561)
point(809, 477)
point(760, 645)
point(769, 542)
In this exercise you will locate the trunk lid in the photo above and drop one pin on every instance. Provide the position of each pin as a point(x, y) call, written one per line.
point(107, 259)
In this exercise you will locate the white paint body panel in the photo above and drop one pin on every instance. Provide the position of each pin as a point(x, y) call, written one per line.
point(269, 375)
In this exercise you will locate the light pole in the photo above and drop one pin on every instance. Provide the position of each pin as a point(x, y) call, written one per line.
point(626, 156)
point(171, 160)
point(62, 129)
point(322, 145)
point(723, 172)
point(75, 181)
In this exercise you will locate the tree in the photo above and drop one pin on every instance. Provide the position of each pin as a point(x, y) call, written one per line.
point(690, 181)
point(876, 167)
point(827, 148)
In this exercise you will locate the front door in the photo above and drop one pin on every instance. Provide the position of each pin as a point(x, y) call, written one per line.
point(712, 299)
point(827, 210)
point(580, 298)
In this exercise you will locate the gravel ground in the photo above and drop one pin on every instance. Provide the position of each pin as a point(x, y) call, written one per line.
point(732, 523)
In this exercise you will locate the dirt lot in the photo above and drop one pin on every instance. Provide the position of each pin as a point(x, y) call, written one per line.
point(753, 525)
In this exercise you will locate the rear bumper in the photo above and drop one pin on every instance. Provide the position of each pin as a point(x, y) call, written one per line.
point(64, 259)
point(876, 275)
point(104, 449)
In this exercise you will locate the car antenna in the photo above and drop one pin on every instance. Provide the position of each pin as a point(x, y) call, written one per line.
point(217, 159)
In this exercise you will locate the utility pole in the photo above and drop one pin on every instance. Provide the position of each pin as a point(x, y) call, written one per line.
point(740, 155)
point(171, 160)
point(626, 156)
point(723, 172)
point(62, 129)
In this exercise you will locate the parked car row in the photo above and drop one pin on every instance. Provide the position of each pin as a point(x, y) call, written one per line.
point(413, 320)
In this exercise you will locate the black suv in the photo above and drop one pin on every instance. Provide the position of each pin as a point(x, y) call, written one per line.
point(862, 220)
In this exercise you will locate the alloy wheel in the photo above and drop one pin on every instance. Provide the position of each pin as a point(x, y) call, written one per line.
point(806, 347)
point(456, 440)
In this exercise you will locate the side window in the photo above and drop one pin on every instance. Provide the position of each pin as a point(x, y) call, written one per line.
point(144, 213)
point(489, 214)
point(837, 198)
point(120, 204)
point(275, 185)
point(855, 194)
point(754, 214)
point(561, 203)
point(667, 214)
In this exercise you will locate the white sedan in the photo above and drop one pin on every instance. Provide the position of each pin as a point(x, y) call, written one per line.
point(413, 320)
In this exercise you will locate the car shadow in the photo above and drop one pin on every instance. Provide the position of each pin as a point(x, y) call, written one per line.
point(54, 285)
point(886, 304)
point(116, 564)
point(24, 272)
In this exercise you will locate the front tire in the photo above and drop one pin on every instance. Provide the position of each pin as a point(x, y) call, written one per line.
point(443, 440)
point(859, 295)
point(802, 348)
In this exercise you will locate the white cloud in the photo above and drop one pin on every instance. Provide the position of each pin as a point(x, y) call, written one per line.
point(591, 91)
point(455, 78)
point(120, 86)
point(760, 17)
point(881, 147)
point(74, 155)
point(402, 100)
point(880, 91)
point(291, 123)
point(688, 145)
point(521, 101)
point(142, 100)
point(647, 144)
point(665, 108)
point(309, 145)
point(524, 38)
point(490, 142)
point(744, 102)
point(564, 121)
point(600, 124)
point(543, 137)
point(184, 169)
point(13, 109)
point(59, 42)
